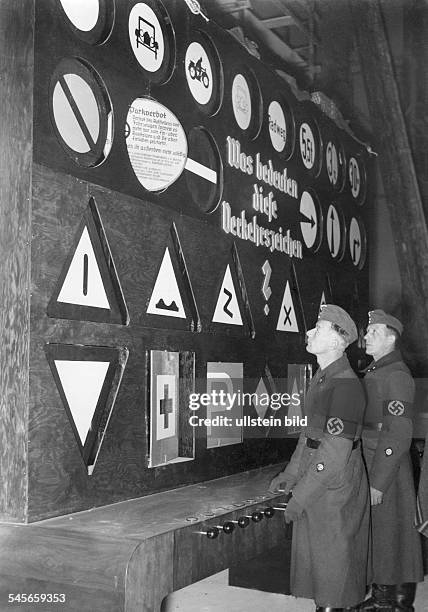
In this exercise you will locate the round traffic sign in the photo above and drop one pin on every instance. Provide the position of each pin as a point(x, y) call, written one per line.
point(152, 39)
point(90, 20)
point(357, 242)
point(310, 146)
point(311, 220)
point(204, 170)
point(156, 143)
point(246, 102)
point(335, 228)
point(357, 178)
point(81, 112)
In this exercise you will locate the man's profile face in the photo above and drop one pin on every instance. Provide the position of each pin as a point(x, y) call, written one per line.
point(378, 340)
point(321, 338)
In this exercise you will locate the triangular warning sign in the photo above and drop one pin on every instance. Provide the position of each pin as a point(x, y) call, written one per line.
point(227, 309)
point(287, 320)
point(323, 301)
point(88, 379)
point(83, 284)
point(88, 287)
point(166, 297)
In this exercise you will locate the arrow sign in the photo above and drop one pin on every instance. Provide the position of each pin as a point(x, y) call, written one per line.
point(356, 242)
point(334, 233)
point(309, 224)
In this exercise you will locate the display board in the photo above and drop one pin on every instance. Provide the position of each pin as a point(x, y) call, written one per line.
point(190, 212)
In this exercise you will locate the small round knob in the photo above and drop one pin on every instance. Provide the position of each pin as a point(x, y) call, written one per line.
point(242, 522)
point(269, 512)
point(212, 533)
point(256, 516)
point(228, 527)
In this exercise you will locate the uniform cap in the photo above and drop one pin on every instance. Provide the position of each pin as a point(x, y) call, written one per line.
point(380, 316)
point(336, 314)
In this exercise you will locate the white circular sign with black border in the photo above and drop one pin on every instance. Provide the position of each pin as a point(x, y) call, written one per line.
point(81, 112)
point(241, 101)
point(310, 220)
point(90, 20)
point(335, 228)
point(277, 126)
point(354, 177)
point(357, 242)
point(307, 146)
point(146, 37)
point(357, 178)
point(199, 73)
point(156, 143)
point(83, 14)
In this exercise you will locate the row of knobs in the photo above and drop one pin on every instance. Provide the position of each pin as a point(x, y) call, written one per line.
point(243, 521)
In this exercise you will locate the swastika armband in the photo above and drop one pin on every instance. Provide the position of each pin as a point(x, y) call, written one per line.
point(398, 408)
point(336, 426)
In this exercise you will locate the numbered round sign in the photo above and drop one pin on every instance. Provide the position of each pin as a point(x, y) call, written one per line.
point(281, 127)
point(204, 170)
point(204, 74)
point(81, 112)
point(311, 220)
point(90, 20)
point(335, 229)
point(357, 242)
point(246, 102)
point(309, 144)
point(334, 163)
point(357, 179)
point(152, 39)
point(156, 143)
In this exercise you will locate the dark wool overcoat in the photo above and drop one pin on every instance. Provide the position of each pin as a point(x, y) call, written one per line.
point(329, 483)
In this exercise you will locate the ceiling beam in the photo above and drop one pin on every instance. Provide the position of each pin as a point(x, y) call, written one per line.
point(278, 22)
point(272, 41)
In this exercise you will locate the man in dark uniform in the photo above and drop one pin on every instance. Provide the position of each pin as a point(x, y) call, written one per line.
point(387, 434)
point(330, 501)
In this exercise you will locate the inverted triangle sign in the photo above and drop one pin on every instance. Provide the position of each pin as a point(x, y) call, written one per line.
point(82, 382)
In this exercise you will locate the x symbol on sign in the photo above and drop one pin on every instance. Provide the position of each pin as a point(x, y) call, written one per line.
point(287, 315)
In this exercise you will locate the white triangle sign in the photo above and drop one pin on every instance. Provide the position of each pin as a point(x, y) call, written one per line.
point(82, 382)
point(227, 308)
point(83, 284)
point(323, 300)
point(166, 297)
point(287, 317)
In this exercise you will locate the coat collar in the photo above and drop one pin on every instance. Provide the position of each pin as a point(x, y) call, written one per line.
point(391, 357)
point(340, 365)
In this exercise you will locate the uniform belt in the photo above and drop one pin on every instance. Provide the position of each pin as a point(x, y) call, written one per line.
point(373, 426)
point(311, 443)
